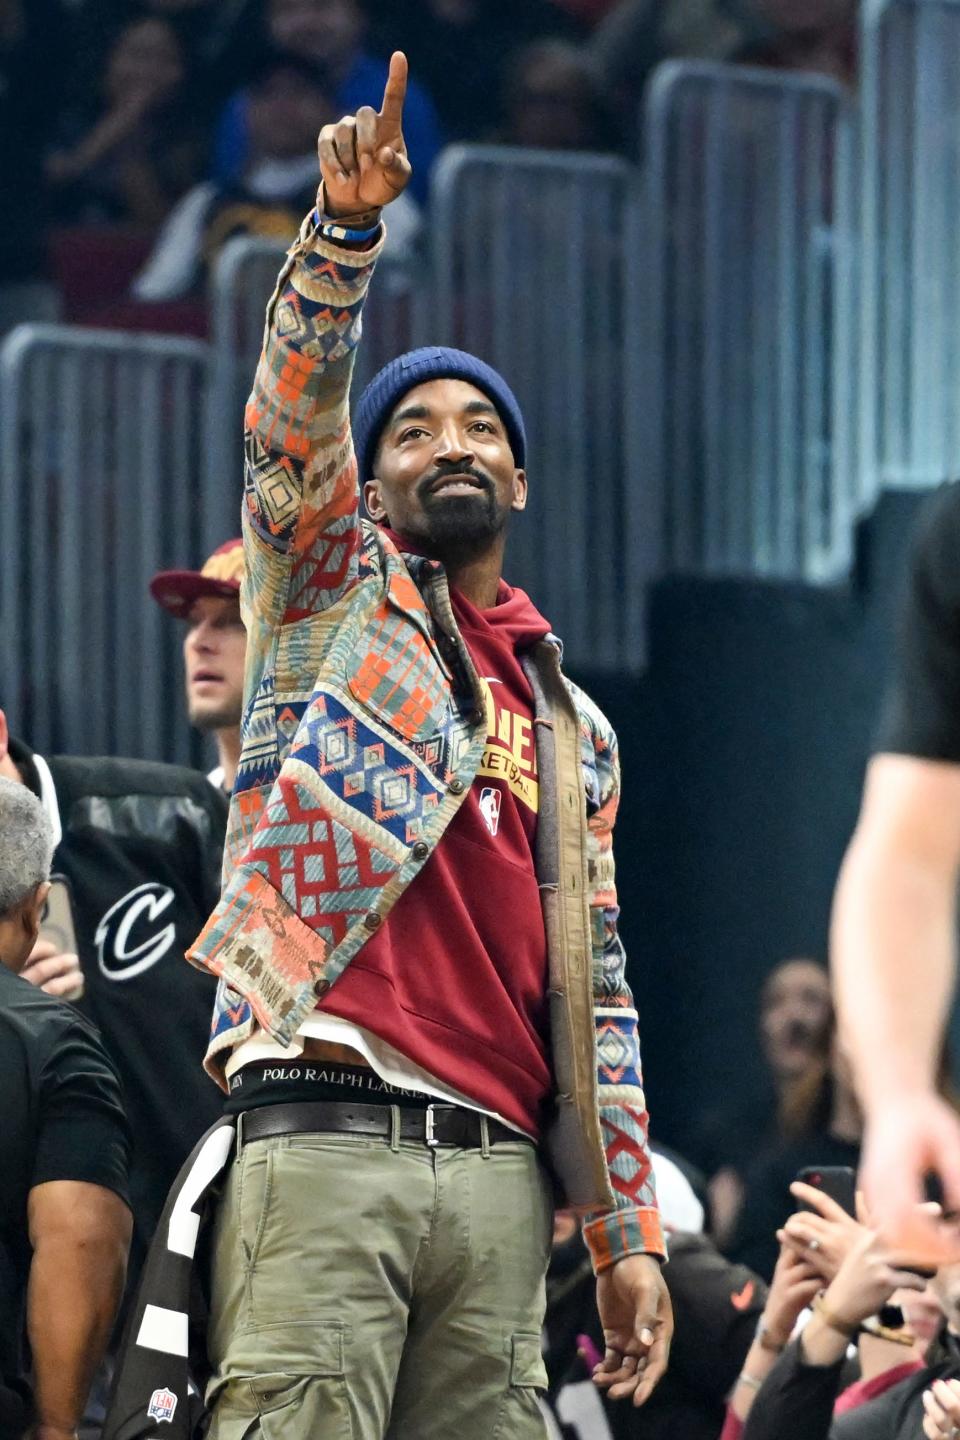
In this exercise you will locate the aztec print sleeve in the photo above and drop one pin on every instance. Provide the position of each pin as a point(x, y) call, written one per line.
point(634, 1227)
point(301, 502)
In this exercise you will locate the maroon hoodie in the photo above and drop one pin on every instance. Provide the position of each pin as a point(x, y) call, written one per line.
point(456, 979)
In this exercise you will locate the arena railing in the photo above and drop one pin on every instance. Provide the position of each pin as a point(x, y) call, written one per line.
point(533, 271)
point(101, 485)
point(910, 60)
point(742, 368)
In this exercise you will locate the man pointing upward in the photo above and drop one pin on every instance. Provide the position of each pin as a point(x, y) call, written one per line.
point(422, 1002)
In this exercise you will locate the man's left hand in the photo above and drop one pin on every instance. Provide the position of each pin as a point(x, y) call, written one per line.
point(637, 1320)
point(54, 972)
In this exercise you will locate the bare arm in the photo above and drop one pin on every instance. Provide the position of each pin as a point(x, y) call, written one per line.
point(893, 952)
point(80, 1235)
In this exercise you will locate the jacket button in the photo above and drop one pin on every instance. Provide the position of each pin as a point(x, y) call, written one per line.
point(421, 850)
point(320, 988)
point(457, 786)
point(372, 920)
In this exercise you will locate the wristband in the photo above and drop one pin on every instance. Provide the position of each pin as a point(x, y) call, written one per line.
point(750, 1381)
point(849, 1329)
point(765, 1338)
point(901, 1336)
point(335, 230)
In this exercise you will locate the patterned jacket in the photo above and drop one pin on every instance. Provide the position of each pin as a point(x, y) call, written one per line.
point(364, 726)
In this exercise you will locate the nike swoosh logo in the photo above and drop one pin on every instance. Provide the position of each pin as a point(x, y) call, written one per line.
point(740, 1300)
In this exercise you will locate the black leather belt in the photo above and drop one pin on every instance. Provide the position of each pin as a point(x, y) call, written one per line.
point(435, 1125)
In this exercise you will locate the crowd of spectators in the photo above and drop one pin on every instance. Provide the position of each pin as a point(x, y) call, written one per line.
point(139, 135)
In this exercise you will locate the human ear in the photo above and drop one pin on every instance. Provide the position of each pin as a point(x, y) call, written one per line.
point(519, 501)
point(373, 500)
point(32, 911)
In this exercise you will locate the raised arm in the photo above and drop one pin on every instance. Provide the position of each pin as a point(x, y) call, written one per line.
point(301, 528)
point(893, 943)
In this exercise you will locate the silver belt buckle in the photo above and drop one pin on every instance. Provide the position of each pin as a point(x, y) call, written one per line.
point(430, 1137)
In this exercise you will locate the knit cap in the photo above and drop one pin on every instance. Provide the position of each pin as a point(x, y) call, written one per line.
point(430, 362)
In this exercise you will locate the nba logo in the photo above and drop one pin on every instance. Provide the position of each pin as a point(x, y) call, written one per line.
point(490, 808)
point(162, 1405)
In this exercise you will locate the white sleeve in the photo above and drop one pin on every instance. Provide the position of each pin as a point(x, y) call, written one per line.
point(173, 263)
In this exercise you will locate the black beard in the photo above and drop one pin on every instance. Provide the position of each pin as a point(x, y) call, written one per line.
point(463, 525)
point(460, 527)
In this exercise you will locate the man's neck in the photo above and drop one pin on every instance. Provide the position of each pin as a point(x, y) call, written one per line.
point(11, 943)
point(477, 579)
point(228, 753)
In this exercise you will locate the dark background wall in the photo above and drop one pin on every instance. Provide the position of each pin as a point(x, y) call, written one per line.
point(743, 750)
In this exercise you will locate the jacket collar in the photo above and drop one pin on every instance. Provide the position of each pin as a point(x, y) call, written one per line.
point(37, 777)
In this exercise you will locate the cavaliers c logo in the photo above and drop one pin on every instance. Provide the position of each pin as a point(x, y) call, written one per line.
point(128, 940)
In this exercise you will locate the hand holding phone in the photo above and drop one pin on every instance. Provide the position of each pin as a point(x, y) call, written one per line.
point(837, 1182)
point(823, 1228)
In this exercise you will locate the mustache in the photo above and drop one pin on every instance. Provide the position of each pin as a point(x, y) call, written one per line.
point(444, 472)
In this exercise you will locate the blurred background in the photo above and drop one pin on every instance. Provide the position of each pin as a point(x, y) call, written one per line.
point(712, 245)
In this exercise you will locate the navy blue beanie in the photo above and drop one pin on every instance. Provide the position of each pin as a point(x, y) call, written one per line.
point(431, 362)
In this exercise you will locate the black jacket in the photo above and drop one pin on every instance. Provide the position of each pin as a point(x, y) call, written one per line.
point(796, 1401)
point(141, 847)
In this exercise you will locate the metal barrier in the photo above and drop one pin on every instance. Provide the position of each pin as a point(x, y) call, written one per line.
point(244, 276)
point(101, 484)
point(532, 271)
point(742, 370)
point(910, 57)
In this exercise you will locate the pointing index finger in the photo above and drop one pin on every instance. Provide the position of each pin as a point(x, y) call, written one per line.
point(395, 90)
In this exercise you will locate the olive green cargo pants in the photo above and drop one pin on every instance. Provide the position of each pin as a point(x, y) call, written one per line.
point(363, 1291)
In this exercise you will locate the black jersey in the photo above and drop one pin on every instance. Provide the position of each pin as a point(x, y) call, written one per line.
point(141, 846)
point(922, 712)
point(62, 1120)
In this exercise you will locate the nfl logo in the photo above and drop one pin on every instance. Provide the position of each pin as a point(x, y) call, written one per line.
point(162, 1405)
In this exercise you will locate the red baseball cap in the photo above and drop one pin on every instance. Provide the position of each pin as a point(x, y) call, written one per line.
point(221, 574)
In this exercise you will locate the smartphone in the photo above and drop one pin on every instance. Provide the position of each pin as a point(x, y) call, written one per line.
point(56, 923)
point(837, 1181)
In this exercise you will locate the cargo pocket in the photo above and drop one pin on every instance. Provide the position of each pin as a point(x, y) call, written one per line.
point(280, 1405)
point(520, 1415)
point(305, 1407)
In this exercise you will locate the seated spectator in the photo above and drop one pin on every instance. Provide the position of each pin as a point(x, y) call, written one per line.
point(811, 35)
point(553, 101)
point(222, 39)
point(329, 34)
point(637, 35)
point(822, 1125)
point(460, 46)
point(287, 105)
point(898, 1393)
point(143, 149)
point(795, 1028)
point(64, 1154)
